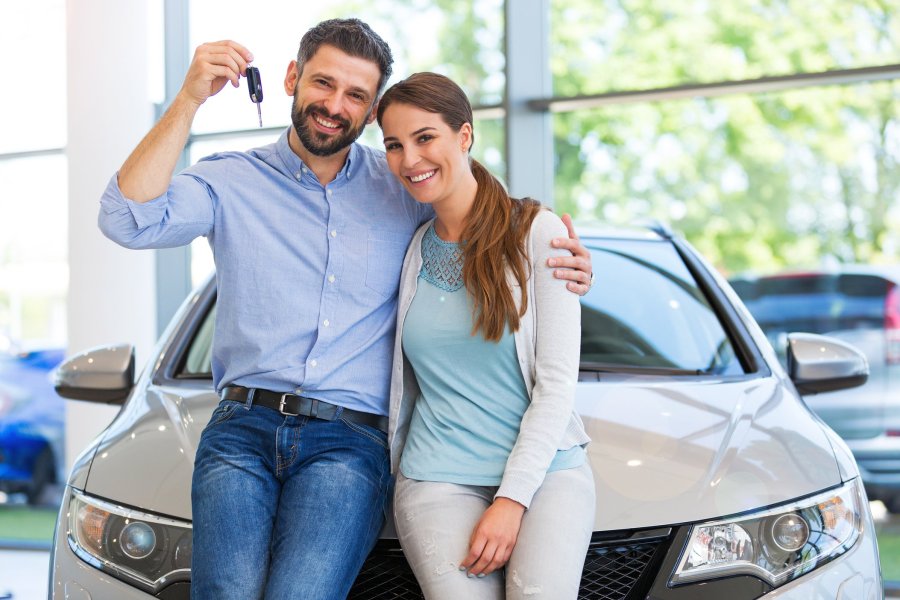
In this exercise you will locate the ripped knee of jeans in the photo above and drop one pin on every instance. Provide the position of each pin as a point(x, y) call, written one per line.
point(527, 590)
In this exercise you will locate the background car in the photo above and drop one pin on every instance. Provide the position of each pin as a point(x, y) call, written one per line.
point(713, 479)
point(860, 305)
point(31, 424)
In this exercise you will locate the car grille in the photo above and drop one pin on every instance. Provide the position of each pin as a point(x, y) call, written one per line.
point(618, 566)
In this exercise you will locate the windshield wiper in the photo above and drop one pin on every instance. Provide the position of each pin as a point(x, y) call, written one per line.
point(601, 367)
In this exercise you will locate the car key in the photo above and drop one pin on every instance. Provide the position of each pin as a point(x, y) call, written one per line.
point(254, 86)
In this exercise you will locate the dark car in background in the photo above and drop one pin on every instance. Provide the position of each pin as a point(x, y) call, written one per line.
point(859, 305)
point(32, 422)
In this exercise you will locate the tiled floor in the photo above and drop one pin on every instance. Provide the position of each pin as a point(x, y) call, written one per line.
point(23, 574)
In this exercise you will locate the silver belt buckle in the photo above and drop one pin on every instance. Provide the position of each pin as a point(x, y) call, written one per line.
point(281, 404)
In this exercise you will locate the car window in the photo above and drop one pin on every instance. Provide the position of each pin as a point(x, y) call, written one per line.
point(198, 359)
point(646, 311)
point(796, 285)
point(816, 303)
point(863, 286)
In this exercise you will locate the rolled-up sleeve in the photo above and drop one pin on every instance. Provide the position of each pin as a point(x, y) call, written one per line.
point(186, 211)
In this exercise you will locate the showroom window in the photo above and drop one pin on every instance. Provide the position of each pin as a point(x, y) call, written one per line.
point(757, 169)
point(755, 181)
point(33, 268)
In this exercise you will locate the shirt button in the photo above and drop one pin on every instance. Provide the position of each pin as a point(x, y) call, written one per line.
point(313, 363)
point(331, 279)
point(297, 175)
point(334, 233)
point(326, 322)
point(329, 192)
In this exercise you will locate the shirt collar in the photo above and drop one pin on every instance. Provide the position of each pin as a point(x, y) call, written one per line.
point(298, 168)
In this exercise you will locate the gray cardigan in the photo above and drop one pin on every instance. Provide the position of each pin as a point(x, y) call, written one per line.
point(548, 347)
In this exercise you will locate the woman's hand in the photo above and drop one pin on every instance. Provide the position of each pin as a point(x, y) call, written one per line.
point(494, 537)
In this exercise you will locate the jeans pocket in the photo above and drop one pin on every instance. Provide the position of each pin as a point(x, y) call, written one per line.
point(223, 412)
point(372, 433)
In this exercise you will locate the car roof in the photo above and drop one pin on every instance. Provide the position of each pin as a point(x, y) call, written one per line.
point(651, 230)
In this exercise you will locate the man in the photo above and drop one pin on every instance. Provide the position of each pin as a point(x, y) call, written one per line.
point(291, 474)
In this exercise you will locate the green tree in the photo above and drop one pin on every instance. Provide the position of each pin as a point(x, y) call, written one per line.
point(755, 181)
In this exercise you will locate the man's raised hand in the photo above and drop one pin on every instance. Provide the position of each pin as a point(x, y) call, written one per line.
point(215, 64)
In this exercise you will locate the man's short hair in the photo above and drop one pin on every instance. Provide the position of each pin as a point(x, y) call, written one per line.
point(352, 37)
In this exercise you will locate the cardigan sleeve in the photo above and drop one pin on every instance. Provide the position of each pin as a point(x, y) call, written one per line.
point(557, 346)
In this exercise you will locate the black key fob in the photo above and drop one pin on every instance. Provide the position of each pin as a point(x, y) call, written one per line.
point(254, 84)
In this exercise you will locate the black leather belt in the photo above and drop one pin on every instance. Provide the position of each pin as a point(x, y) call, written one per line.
point(294, 405)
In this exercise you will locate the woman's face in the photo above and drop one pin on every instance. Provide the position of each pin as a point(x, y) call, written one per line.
point(424, 153)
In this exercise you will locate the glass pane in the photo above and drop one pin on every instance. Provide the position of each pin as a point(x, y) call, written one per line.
point(461, 39)
point(649, 312)
point(33, 252)
point(33, 103)
point(599, 47)
point(198, 362)
point(801, 178)
point(490, 145)
point(33, 286)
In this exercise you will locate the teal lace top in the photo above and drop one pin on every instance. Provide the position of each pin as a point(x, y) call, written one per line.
point(473, 395)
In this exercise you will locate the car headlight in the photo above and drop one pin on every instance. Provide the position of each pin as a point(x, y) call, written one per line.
point(775, 545)
point(144, 550)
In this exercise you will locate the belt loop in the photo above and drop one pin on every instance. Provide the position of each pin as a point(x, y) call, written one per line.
point(250, 393)
point(314, 408)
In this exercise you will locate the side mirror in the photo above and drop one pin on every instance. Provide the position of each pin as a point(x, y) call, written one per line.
point(103, 374)
point(818, 363)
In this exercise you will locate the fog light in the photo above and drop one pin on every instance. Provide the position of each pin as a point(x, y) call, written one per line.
point(137, 540)
point(790, 532)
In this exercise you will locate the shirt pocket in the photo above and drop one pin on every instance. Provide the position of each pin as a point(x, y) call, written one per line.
point(385, 250)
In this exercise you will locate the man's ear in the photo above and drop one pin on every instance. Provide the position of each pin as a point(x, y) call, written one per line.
point(291, 78)
point(373, 114)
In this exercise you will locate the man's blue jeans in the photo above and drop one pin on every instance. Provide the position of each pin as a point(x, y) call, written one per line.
point(284, 507)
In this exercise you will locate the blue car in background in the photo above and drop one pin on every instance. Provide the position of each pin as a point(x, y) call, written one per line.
point(32, 422)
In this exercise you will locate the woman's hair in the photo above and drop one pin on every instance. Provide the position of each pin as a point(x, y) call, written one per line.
point(493, 238)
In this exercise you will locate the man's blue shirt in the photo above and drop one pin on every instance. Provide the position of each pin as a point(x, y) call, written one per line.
point(307, 274)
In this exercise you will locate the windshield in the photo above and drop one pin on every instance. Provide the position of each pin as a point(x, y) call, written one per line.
point(646, 312)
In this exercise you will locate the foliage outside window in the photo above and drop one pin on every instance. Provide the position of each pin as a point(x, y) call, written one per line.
point(757, 182)
point(600, 46)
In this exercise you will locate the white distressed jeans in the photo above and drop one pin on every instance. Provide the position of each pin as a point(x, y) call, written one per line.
point(434, 521)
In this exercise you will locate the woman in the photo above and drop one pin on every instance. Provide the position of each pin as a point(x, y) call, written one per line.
point(485, 364)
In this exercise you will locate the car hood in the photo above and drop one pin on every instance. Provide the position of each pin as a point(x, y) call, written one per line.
point(665, 453)
point(662, 453)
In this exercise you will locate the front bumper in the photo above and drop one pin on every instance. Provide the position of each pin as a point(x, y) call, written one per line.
point(855, 575)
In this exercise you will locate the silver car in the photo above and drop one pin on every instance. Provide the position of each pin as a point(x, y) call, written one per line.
point(858, 304)
point(713, 478)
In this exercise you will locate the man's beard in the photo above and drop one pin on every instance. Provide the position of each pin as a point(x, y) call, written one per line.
point(316, 142)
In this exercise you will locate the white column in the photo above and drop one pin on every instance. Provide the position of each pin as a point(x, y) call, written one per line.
point(112, 291)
